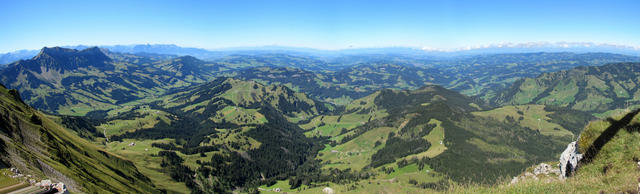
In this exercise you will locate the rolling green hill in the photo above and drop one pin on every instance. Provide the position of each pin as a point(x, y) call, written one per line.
point(74, 82)
point(231, 133)
point(482, 76)
point(198, 99)
point(595, 89)
point(36, 145)
point(486, 75)
point(371, 77)
point(403, 135)
point(342, 86)
point(319, 85)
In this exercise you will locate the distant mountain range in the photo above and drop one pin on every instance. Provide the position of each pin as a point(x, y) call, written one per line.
point(577, 47)
point(7, 58)
point(60, 78)
point(70, 81)
point(207, 54)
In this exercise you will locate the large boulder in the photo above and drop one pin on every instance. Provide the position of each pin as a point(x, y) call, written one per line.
point(328, 190)
point(569, 160)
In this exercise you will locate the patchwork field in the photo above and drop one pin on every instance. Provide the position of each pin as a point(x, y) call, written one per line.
point(355, 154)
point(531, 116)
point(144, 156)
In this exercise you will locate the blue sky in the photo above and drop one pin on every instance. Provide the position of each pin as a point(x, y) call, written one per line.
point(315, 24)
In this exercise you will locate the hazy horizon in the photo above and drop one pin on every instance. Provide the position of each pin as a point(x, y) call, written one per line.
point(326, 25)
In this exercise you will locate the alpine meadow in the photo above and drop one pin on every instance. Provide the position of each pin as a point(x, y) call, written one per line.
point(319, 97)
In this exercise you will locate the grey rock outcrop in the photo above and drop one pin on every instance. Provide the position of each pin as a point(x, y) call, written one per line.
point(569, 160)
point(328, 190)
point(545, 169)
point(542, 170)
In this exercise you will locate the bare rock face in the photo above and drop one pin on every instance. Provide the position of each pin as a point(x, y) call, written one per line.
point(569, 160)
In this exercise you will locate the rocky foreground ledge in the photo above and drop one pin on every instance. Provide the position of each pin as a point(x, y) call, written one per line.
point(566, 167)
point(44, 186)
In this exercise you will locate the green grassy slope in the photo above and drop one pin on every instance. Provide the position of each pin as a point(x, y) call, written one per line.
point(38, 146)
point(247, 125)
point(342, 86)
point(614, 169)
point(597, 89)
point(431, 137)
point(487, 144)
point(201, 100)
point(534, 117)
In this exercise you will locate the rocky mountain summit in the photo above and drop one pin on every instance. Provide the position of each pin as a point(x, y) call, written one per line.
point(567, 166)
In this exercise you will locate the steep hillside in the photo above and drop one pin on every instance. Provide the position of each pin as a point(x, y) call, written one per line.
point(595, 89)
point(38, 146)
point(75, 82)
point(609, 163)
